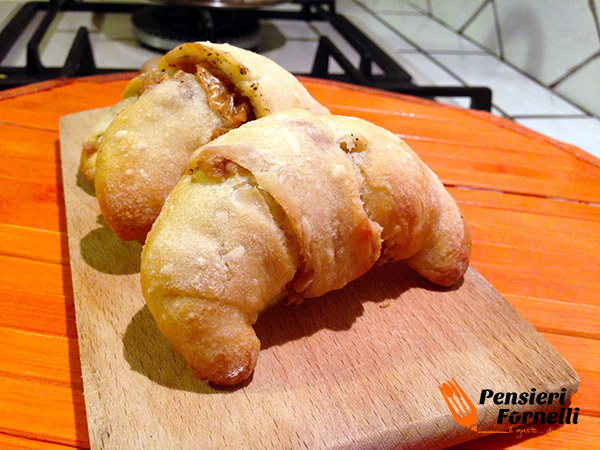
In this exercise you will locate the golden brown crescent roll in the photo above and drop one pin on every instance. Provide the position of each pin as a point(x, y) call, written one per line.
point(197, 92)
point(292, 203)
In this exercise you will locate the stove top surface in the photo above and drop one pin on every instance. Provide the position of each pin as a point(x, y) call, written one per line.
point(46, 40)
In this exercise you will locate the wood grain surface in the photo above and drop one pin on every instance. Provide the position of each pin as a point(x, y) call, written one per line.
point(532, 203)
point(358, 368)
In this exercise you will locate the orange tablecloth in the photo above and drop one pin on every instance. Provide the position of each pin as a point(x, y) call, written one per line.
point(533, 205)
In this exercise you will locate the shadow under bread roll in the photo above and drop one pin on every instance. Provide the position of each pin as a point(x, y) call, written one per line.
point(293, 203)
point(197, 92)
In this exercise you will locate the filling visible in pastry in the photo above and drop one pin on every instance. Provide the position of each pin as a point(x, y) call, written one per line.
point(222, 94)
point(224, 97)
point(296, 203)
point(193, 94)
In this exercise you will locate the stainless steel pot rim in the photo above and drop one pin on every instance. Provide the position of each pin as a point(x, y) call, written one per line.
point(233, 4)
point(167, 43)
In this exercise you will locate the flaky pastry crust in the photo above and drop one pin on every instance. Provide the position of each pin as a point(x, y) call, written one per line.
point(291, 203)
point(195, 93)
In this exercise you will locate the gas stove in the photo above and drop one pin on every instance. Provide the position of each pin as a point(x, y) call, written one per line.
point(68, 38)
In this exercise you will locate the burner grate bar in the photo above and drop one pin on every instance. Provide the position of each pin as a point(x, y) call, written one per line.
point(14, 28)
point(320, 67)
point(395, 78)
point(80, 60)
point(34, 64)
point(368, 50)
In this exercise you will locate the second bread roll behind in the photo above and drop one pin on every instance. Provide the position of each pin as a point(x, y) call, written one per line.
point(291, 203)
point(198, 91)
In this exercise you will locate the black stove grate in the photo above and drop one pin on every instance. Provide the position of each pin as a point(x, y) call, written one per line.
point(394, 77)
point(80, 59)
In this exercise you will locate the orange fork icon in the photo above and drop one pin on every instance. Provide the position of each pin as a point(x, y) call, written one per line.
point(460, 405)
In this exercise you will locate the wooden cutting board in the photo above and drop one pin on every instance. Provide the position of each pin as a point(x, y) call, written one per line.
point(358, 368)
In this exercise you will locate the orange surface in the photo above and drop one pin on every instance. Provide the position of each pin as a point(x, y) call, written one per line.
point(533, 205)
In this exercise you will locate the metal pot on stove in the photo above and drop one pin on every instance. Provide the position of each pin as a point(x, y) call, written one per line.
point(163, 27)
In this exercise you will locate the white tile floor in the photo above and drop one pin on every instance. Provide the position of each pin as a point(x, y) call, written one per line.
point(434, 54)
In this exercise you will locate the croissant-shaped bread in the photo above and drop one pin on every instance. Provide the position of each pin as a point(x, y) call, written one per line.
point(292, 203)
point(197, 92)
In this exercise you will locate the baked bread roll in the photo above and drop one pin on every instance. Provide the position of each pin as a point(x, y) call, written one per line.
point(197, 92)
point(292, 203)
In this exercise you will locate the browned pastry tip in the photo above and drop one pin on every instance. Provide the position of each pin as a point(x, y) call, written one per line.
point(217, 340)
